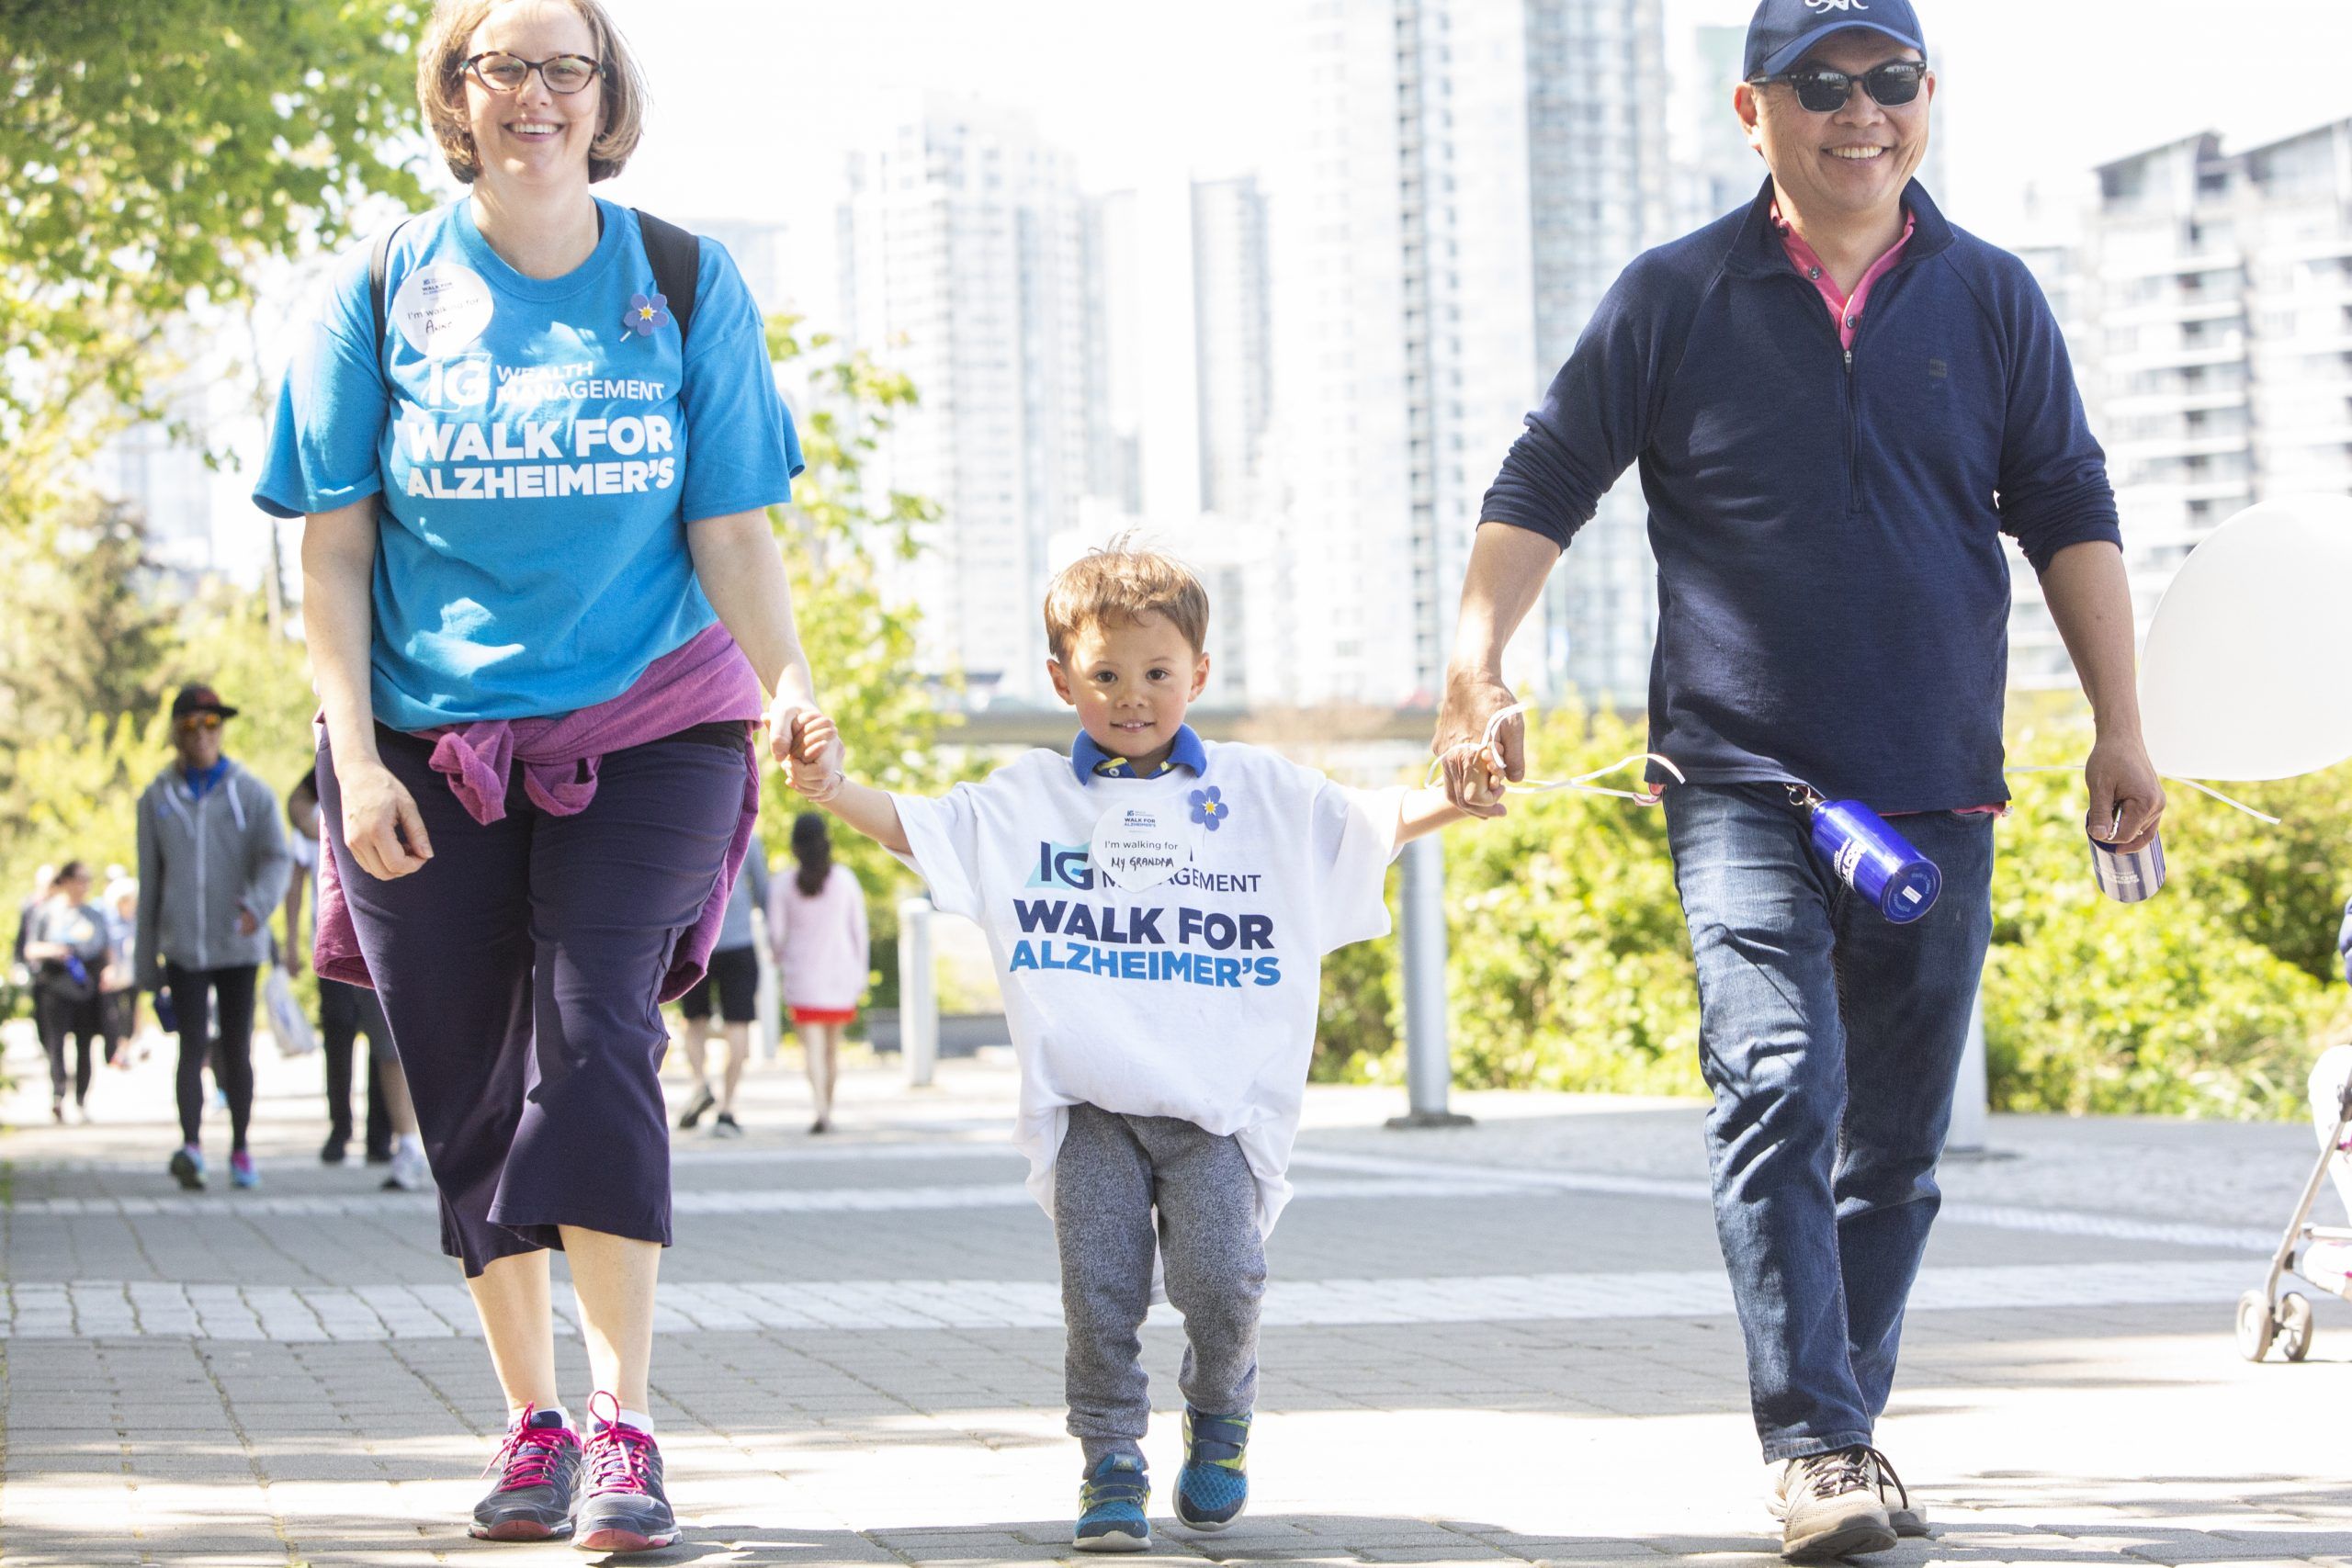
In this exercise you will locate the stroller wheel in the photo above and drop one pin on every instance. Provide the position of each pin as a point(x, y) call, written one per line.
point(2295, 1326)
point(2256, 1324)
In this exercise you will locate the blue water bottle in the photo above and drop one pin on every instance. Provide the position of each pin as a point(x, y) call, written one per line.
point(1874, 860)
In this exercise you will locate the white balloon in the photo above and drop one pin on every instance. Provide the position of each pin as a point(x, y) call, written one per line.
point(2245, 674)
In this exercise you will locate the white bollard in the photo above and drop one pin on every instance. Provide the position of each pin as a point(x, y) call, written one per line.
point(767, 1038)
point(1428, 1057)
point(917, 993)
point(1970, 1096)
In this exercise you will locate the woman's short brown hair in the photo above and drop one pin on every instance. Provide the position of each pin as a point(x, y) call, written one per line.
point(441, 86)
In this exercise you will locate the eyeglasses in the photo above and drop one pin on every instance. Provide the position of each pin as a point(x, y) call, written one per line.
point(563, 73)
point(1825, 91)
point(196, 721)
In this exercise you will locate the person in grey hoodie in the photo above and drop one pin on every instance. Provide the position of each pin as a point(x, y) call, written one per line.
point(212, 864)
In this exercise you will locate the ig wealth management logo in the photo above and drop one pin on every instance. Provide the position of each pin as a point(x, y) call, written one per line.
point(1063, 865)
point(460, 381)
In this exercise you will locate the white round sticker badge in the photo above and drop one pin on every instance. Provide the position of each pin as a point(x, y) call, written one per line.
point(441, 308)
point(1137, 847)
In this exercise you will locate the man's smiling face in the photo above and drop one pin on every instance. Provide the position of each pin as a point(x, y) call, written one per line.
point(1855, 161)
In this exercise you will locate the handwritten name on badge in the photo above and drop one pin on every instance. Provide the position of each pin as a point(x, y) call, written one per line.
point(441, 308)
point(1140, 846)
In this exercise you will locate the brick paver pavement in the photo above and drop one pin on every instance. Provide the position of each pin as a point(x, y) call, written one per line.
point(1498, 1344)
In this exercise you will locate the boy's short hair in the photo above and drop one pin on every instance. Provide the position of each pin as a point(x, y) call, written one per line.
point(1122, 582)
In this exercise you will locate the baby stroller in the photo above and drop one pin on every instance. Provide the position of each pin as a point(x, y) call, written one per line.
point(2319, 1254)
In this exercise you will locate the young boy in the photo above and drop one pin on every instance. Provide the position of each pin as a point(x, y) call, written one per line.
point(1159, 907)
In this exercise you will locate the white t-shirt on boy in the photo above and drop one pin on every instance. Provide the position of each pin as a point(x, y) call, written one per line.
point(1189, 993)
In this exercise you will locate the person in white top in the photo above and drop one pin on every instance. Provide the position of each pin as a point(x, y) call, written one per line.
point(817, 926)
point(118, 991)
point(1158, 907)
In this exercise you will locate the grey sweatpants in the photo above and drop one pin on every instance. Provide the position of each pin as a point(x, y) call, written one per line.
point(1112, 1173)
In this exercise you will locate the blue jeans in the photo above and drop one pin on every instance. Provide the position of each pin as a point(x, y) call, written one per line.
point(1831, 1039)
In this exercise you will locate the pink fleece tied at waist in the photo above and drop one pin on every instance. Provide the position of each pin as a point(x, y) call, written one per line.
point(704, 682)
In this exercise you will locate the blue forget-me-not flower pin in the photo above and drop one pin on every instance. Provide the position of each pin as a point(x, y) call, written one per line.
point(645, 312)
point(1209, 809)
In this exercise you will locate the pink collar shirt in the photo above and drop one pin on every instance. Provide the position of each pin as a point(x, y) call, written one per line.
point(1845, 310)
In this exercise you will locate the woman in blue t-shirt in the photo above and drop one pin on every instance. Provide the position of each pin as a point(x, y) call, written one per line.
point(542, 599)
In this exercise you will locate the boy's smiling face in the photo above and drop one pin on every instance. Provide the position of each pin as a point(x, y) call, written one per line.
point(1131, 682)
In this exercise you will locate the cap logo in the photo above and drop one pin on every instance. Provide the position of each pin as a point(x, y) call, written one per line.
point(1838, 5)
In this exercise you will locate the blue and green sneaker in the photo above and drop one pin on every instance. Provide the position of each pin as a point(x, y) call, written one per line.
point(1214, 1487)
point(1110, 1507)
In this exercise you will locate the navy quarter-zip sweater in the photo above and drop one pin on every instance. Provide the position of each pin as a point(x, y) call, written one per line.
point(1833, 599)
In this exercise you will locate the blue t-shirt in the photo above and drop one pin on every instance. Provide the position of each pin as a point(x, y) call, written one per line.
point(540, 458)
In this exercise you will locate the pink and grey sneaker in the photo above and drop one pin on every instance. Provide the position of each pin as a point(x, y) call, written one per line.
point(622, 1506)
point(538, 1471)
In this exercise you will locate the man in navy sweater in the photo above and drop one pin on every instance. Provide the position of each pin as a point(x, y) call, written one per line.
point(1837, 402)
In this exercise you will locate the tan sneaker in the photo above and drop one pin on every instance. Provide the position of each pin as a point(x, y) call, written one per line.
point(1907, 1516)
point(1829, 1506)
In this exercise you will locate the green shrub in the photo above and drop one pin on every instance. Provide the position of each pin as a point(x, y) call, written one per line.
point(1569, 968)
point(1356, 1036)
point(2209, 999)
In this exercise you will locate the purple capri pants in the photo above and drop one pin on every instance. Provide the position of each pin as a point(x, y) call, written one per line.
point(519, 970)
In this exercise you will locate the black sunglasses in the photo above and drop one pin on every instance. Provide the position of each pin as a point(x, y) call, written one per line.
point(1825, 91)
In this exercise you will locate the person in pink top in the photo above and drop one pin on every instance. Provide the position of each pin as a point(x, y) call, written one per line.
point(817, 924)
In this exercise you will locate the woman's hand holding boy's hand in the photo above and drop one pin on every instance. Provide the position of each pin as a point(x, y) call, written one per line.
point(813, 765)
point(787, 714)
point(814, 769)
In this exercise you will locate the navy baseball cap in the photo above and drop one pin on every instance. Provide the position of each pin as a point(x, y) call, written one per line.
point(1782, 30)
point(197, 697)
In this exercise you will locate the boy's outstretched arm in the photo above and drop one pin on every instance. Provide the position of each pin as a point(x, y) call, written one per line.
point(1427, 810)
point(869, 810)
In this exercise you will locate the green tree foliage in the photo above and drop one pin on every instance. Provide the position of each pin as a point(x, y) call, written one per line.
point(1569, 966)
point(152, 155)
point(2209, 999)
point(70, 789)
point(79, 631)
point(861, 648)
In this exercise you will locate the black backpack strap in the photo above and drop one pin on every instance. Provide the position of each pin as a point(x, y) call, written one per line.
point(676, 255)
point(379, 266)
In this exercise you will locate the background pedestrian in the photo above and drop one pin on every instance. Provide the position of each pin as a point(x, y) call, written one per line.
point(65, 946)
point(817, 926)
point(212, 864)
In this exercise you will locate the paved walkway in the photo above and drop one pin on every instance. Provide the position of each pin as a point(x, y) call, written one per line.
point(1505, 1343)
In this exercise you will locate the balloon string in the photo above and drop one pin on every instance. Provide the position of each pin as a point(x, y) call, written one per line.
point(1582, 781)
point(2168, 778)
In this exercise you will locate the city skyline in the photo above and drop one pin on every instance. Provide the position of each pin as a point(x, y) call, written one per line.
point(2208, 300)
point(2042, 105)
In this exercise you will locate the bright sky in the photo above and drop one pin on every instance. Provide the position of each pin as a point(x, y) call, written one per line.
point(755, 100)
